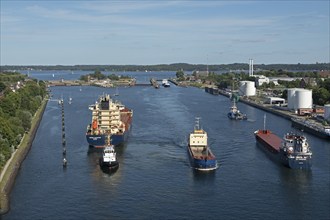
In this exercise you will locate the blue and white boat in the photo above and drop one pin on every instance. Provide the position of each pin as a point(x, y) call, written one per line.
point(165, 83)
point(235, 114)
point(199, 153)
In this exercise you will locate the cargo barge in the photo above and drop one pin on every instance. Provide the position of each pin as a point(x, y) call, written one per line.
point(292, 150)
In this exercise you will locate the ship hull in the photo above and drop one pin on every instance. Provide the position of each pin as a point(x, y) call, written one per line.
point(201, 164)
point(96, 141)
point(108, 167)
point(296, 163)
point(99, 141)
point(273, 150)
point(270, 143)
point(236, 117)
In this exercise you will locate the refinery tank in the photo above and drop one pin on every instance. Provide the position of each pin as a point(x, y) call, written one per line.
point(291, 97)
point(247, 88)
point(327, 112)
point(303, 99)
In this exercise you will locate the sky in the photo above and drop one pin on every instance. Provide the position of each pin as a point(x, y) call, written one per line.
point(83, 32)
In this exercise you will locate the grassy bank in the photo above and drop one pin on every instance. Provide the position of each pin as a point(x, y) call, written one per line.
point(12, 167)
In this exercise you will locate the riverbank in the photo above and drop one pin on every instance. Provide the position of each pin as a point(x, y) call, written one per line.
point(10, 171)
point(297, 121)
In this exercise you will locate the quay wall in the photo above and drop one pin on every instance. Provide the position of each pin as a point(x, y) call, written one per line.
point(10, 171)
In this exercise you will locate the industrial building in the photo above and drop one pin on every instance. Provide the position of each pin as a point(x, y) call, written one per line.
point(275, 101)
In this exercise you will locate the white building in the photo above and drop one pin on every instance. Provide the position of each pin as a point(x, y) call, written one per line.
point(260, 79)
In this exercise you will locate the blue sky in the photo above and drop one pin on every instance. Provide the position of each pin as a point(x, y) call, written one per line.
point(163, 32)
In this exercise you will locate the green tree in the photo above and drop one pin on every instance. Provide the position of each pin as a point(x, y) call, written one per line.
point(321, 96)
point(180, 75)
point(2, 86)
point(26, 118)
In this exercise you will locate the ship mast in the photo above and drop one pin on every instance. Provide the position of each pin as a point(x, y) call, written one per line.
point(264, 122)
point(197, 123)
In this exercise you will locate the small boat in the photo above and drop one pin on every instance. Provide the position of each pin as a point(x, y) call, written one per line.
point(165, 83)
point(199, 153)
point(70, 100)
point(108, 161)
point(235, 114)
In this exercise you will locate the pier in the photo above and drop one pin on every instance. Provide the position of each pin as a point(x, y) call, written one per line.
point(153, 82)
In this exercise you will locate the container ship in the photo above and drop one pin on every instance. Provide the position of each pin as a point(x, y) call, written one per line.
point(109, 117)
point(292, 151)
point(199, 153)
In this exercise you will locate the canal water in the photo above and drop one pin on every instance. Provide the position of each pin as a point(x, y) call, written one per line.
point(154, 180)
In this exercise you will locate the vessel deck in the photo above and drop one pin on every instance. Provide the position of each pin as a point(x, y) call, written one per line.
point(271, 139)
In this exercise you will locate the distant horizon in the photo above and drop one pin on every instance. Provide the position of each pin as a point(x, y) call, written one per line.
point(255, 64)
point(163, 32)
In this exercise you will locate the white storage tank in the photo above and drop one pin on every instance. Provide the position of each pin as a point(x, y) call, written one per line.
point(327, 112)
point(291, 98)
point(303, 99)
point(247, 88)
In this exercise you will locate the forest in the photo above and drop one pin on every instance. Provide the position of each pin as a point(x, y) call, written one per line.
point(17, 109)
point(174, 67)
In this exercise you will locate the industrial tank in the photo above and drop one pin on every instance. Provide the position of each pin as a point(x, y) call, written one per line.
point(327, 112)
point(291, 98)
point(247, 88)
point(303, 99)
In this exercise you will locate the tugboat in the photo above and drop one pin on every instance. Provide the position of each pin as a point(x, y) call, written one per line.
point(108, 161)
point(235, 114)
point(199, 153)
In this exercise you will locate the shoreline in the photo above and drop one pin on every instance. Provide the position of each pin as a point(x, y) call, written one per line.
point(282, 113)
point(11, 169)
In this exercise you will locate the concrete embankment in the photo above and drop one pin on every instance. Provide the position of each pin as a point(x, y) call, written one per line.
point(316, 130)
point(10, 171)
point(262, 107)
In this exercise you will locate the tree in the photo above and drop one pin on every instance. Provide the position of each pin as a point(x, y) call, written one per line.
point(180, 75)
point(2, 86)
point(26, 118)
point(321, 96)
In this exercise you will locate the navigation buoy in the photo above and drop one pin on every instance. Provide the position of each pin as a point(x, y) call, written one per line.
point(65, 162)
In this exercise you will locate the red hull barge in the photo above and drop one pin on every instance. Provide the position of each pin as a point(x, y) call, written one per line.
point(271, 141)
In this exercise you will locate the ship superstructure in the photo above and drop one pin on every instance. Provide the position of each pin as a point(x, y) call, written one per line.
point(109, 117)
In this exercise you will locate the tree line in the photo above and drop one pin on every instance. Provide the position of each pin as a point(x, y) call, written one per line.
point(17, 109)
point(174, 67)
